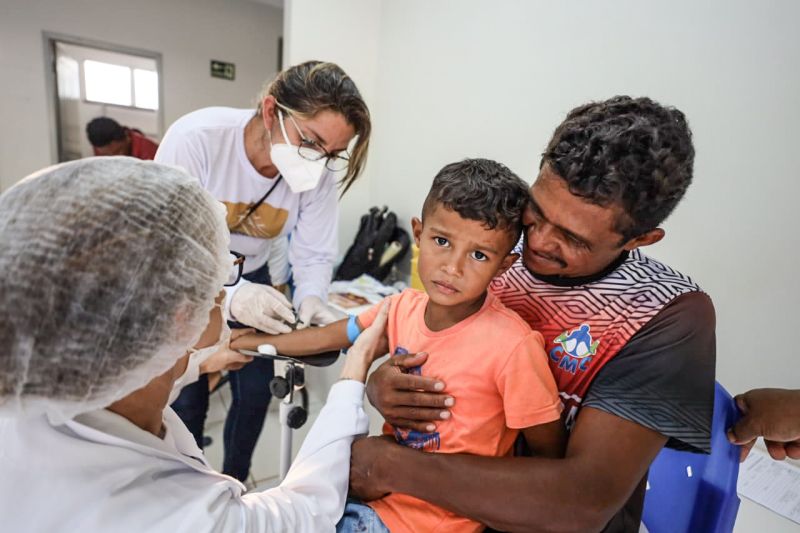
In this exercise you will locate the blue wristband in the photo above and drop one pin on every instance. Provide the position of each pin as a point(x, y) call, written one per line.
point(353, 331)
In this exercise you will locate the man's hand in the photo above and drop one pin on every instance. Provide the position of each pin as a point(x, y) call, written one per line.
point(365, 457)
point(770, 413)
point(405, 400)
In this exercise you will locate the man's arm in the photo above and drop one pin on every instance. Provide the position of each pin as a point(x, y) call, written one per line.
point(606, 458)
point(547, 440)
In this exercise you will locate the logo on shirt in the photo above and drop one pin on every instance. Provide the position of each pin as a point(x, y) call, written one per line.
point(412, 438)
point(574, 349)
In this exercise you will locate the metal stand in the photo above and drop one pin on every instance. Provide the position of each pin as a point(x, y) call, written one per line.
point(290, 416)
point(286, 387)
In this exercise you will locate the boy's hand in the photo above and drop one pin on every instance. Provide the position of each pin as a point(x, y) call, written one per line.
point(247, 339)
point(405, 400)
point(225, 359)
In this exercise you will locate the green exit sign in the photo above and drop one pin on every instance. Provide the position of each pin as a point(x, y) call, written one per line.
point(221, 69)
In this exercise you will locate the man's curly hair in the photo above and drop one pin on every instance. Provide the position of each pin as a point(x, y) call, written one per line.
point(628, 151)
point(481, 190)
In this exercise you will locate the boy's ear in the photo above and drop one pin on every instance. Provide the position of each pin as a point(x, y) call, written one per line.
point(508, 260)
point(416, 229)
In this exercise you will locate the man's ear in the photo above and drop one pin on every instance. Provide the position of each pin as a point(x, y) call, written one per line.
point(268, 112)
point(508, 260)
point(416, 229)
point(645, 239)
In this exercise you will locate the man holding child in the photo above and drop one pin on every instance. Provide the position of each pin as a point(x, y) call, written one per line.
point(629, 340)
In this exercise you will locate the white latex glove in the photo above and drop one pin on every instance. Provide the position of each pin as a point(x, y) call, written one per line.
point(262, 307)
point(314, 312)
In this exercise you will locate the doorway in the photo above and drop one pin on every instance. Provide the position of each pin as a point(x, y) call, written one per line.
point(89, 79)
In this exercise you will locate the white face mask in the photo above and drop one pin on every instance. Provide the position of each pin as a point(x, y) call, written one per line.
point(300, 173)
point(198, 357)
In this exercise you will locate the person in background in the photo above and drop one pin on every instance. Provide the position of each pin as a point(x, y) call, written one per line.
point(770, 413)
point(275, 168)
point(108, 137)
point(99, 315)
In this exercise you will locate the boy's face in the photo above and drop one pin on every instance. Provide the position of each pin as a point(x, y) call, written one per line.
point(459, 257)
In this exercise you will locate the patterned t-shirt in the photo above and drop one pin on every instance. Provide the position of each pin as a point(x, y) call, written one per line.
point(637, 341)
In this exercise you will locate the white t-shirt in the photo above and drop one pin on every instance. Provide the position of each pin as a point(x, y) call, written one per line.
point(209, 144)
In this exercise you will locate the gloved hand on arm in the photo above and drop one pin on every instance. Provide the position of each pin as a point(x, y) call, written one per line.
point(262, 307)
point(314, 312)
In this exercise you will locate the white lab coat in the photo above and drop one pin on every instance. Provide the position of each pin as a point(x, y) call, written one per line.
point(99, 472)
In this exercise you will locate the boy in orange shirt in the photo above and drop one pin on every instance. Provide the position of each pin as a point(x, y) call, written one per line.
point(492, 361)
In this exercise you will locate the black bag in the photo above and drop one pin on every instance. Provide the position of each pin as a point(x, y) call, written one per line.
point(379, 244)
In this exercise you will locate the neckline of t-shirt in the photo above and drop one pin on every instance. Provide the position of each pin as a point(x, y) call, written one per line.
point(456, 328)
point(251, 172)
point(559, 281)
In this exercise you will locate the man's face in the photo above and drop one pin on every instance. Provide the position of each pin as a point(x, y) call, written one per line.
point(121, 147)
point(566, 235)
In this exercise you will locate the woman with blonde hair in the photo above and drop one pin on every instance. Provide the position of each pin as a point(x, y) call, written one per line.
point(276, 170)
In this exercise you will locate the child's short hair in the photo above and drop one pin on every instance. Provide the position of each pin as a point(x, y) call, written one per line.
point(482, 190)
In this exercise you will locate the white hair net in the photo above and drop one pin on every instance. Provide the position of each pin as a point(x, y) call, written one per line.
point(108, 270)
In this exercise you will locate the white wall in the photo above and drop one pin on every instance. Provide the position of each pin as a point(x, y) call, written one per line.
point(344, 32)
point(188, 34)
point(494, 78)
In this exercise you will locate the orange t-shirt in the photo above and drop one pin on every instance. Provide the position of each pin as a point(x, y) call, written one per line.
point(495, 367)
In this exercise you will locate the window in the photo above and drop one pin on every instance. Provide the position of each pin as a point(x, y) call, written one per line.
point(108, 83)
point(145, 88)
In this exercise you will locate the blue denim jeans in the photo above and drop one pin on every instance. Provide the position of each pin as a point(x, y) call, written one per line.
point(247, 412)
point(360, 518)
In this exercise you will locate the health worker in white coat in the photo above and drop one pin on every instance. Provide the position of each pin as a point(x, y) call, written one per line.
point(109, 270)
point(276, 170)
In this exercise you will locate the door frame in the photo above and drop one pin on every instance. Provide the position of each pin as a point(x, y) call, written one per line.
point(54, 121)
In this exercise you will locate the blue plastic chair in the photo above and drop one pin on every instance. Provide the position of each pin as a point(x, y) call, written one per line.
point(689, 492)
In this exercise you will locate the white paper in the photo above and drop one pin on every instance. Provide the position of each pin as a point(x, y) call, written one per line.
point(773, 484)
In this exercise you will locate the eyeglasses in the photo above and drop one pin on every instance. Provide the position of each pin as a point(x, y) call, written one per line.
point(237, 266)
point(311, 150)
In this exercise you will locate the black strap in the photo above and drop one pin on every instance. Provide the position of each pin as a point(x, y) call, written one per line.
point(257, 204)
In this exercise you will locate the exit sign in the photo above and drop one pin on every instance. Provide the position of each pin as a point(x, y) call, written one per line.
point(221, 69)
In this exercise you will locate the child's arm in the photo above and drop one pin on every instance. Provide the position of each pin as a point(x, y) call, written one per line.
point(547, 440)
point(308, 341)
point(530, 398)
